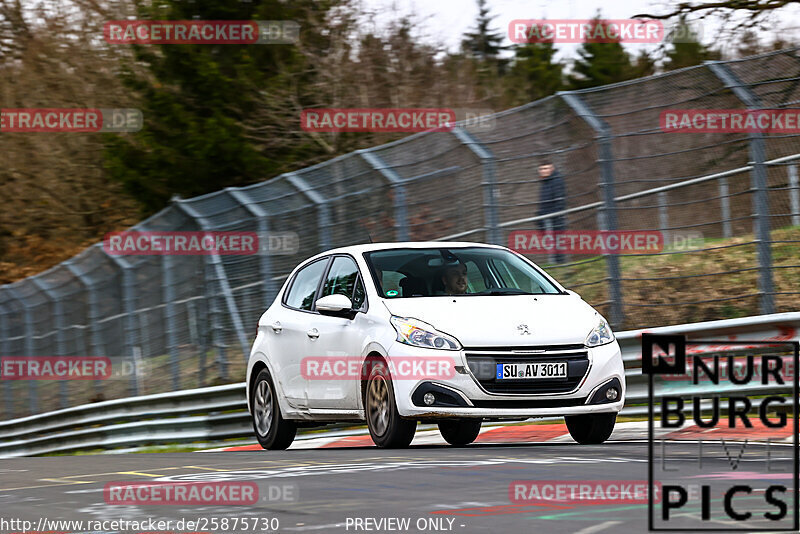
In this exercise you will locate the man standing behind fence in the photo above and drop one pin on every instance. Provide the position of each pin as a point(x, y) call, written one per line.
point(552, 198)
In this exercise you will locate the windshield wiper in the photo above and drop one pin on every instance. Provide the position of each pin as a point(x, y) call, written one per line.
point(504, 291)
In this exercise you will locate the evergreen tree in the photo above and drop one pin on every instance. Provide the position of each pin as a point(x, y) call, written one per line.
point(643, 65)
point(600, 63)
point(195, 99)
point(687, 50)
point(482, 43)
point(534, 73)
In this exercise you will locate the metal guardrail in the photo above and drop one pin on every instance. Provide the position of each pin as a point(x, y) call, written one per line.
point(219, 412)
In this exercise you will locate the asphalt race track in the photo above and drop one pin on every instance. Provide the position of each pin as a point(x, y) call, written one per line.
point(436, 488)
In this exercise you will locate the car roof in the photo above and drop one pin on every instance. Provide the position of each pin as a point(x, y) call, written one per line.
point(371, 247)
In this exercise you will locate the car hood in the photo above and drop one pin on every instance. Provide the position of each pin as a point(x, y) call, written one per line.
point(496, 320)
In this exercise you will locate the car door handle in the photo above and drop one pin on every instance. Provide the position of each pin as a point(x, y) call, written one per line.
point(313, 333)
point(276, 327)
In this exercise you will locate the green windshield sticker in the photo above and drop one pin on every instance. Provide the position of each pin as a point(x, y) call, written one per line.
point(391, 293)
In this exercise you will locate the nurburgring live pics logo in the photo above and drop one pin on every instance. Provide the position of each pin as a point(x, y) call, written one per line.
point(758, 500)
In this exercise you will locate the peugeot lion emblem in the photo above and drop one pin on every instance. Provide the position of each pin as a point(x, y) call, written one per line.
point(523, 330)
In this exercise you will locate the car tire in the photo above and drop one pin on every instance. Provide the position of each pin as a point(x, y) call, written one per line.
point(387, 429)
point(460, 432)
point(591, 429)
point(272, 430)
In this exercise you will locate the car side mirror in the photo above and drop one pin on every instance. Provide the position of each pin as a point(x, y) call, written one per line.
point(571, 292)
point(336, 306)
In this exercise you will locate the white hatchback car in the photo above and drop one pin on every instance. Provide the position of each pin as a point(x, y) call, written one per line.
point(452, 333)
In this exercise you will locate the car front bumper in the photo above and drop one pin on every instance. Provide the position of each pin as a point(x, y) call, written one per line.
point(604, 365)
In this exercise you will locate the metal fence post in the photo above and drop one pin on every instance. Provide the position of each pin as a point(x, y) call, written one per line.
point(168, 288)
point(33, 390)
point(606, 161)
point(794, 195)
point(5, 334)
point(264, 259)
point(396, 182)
point(92, 316)
point(725, 203)
point(663, 216)
point(758, 177)
point(323, 208)
point(130, 336)
point(61, 348)
point(489, 183)
point(219, 277)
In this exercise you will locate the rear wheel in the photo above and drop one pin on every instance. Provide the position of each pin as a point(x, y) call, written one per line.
point(272, 430)
point(387, 428)
point(460, 432)
point(591, 429)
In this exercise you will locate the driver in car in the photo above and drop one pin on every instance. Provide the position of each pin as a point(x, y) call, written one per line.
point(455, 279)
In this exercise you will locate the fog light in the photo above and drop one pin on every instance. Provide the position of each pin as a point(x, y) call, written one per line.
point(612, 394)
point(429, 399)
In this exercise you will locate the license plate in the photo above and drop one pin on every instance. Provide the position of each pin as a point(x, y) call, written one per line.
point(531, 371)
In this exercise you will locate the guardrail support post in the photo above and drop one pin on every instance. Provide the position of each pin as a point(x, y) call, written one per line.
point(323, 208)
point(396, 182)
point(794, 195)
point(758, 177)
point(609, 213)
point(488, 162)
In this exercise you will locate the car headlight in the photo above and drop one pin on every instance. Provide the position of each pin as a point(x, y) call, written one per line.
point(420, 334)
point(600, 334)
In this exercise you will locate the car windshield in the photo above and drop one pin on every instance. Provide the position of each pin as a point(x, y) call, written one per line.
point(428, 272)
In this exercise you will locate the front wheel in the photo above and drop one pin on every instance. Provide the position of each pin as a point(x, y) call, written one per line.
point(460, 432)
point(591, 429)
point(387, 428)
point(272, 430)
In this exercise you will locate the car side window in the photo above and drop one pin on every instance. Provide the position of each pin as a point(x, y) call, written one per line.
point(341, 279)
point(304, 287)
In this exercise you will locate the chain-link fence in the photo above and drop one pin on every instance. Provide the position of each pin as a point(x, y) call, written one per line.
point(177, 322)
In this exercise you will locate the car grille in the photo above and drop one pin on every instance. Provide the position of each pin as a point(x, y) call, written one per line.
point(483, 362)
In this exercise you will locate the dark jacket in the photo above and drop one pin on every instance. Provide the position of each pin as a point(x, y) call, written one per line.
point(551, 195)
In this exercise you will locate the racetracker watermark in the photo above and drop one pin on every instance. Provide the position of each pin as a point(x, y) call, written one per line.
point(585, 31)
point(135, 243)
point(601, 242)
point(730, 121)
point(587, 492)
point(72, 367)
point(180, 493)
point(110, 120)
point(377, 119)
point(357, 368)
point(55, 368)
point(201, 31)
